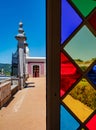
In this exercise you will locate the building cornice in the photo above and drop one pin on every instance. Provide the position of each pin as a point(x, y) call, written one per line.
point(35, 59)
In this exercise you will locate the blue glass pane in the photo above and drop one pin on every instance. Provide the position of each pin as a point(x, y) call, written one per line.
point(92, 74)
point(67, 122)
point(69, 20)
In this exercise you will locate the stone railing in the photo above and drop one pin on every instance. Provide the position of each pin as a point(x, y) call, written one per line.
point(7, 89)
point(5, 92)
point(14, 85)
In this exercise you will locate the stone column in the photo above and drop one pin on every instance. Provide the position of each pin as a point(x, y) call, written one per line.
point(25, 73)
point(26, 54)
point(21, 38)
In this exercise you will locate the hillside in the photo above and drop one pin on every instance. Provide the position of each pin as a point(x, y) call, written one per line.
point(5, 69)
point(84, 64)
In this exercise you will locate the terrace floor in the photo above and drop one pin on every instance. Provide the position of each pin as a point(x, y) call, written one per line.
point(27, 110)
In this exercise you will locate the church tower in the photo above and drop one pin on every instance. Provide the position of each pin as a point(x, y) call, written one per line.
point(20, 37)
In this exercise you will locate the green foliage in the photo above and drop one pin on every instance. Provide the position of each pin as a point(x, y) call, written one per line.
point(6, 68)
point(83, 68)
point(8, 73)
point(93, 59)
point(79, 60)
point(85, 93)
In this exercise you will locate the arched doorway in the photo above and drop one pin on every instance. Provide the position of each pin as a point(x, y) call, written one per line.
point(36, 71)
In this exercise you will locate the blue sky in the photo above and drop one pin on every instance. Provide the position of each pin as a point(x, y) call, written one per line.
point(32, 14)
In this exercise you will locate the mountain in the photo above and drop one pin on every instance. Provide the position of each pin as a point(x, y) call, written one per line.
point(5, 69)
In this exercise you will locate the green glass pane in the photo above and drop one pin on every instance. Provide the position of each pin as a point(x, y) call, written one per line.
point(85, 6)
point(82, 48)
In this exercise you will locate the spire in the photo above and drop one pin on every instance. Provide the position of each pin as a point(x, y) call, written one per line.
point(20, 30)
point(21, 34)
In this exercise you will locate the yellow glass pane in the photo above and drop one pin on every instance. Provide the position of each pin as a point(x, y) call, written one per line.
point(81, 100)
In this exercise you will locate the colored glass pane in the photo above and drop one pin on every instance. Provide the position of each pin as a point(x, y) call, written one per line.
point(92, 74)
point(82, 128)
point(92, 123)
point(67, 122)
point(92, 20)
point(69, 74)
point(68, 14)
point(80, 96)
point(85, 6)
point(80, 46)
point(84, 99)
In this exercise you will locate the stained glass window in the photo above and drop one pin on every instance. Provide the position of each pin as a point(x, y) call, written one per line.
point(71, 65)
point(78, 65)
point(85, 6)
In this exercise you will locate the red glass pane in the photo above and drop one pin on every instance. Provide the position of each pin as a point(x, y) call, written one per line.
point(92, 123)
point(69, 74)
point(92, 20)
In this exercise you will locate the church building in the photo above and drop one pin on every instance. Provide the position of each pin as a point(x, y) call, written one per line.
point(32, 66)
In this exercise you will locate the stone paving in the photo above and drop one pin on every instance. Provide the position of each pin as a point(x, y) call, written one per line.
point(27, 110)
